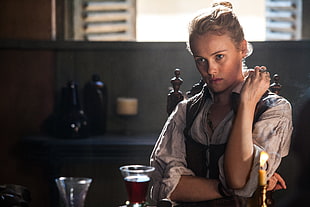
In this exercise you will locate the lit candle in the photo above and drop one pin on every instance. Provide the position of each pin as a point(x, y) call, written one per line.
point(262, 178)
point(127, 106)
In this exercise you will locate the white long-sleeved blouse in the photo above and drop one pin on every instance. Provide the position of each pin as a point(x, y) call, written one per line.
point(271, 133)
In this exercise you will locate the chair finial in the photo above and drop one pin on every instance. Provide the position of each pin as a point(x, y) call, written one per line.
point(175, 95)
point(275, 87)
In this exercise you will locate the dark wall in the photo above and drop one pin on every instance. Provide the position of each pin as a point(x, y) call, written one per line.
point(27, 90)
point(27, 94)
point(290, 60)
point(31, 20)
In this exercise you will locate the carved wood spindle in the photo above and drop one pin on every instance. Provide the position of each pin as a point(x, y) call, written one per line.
point(197, 87)
point(175, 95)
point(275, 87)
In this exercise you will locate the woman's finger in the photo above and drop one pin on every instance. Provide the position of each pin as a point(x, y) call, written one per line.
point(281, 181)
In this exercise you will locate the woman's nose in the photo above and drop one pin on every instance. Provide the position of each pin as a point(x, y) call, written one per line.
point(212, 68)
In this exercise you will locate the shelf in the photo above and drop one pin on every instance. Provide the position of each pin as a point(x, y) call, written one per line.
point(107, 148)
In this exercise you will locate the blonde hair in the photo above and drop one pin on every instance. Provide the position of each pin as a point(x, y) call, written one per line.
point(219, 19)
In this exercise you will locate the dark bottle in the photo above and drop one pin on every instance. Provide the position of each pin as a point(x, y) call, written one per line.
point(95, 105)
point(72, 122)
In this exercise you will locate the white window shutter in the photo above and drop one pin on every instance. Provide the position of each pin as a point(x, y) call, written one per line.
point(105, 20)
point(283, 19)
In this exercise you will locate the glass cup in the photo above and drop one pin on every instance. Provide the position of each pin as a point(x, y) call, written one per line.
point(137, 179)
point(73, 190)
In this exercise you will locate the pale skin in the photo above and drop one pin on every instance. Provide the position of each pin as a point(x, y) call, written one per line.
point(219, 61)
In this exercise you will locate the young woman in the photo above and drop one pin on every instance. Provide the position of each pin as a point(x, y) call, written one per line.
point(210, 145)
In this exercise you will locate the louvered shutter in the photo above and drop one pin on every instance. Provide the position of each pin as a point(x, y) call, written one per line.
point(283, 19)
point(105, 20)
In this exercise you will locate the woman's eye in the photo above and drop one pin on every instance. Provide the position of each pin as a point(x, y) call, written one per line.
point(220, 56)
point(201, 60)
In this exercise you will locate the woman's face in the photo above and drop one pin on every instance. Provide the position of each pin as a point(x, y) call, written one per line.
point(218, 60)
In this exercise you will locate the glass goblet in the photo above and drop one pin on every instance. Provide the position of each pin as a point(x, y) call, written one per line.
point(137, 179)
point(73, 190)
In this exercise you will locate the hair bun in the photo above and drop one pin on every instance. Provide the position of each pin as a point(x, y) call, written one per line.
point(223, 3)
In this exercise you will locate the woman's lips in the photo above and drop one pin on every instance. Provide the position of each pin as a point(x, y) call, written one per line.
point(215, 80)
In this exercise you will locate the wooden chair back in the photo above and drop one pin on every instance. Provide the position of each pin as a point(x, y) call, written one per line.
point(175, 95)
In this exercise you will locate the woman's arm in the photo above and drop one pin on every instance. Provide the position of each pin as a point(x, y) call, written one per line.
point(195, 189)
point(239, 151)
point(168, 156)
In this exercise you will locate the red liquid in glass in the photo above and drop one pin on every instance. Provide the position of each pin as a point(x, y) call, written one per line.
point(137, 187)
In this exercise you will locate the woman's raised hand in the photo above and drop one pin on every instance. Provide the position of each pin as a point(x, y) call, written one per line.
point(256, 84)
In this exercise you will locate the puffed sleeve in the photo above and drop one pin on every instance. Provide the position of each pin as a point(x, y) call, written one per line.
point(168, 156)
point(271, 133)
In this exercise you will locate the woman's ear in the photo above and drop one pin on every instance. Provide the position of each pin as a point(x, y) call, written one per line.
point(244, 48)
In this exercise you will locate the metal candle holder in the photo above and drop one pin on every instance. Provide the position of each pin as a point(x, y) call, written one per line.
point(263, 196)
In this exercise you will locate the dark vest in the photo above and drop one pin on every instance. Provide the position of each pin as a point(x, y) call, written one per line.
point(196, 152)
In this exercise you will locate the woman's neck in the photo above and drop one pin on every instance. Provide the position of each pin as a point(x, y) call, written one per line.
point(224, 98)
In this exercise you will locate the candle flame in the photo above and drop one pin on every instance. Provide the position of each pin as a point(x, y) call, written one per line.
point(263, 158)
